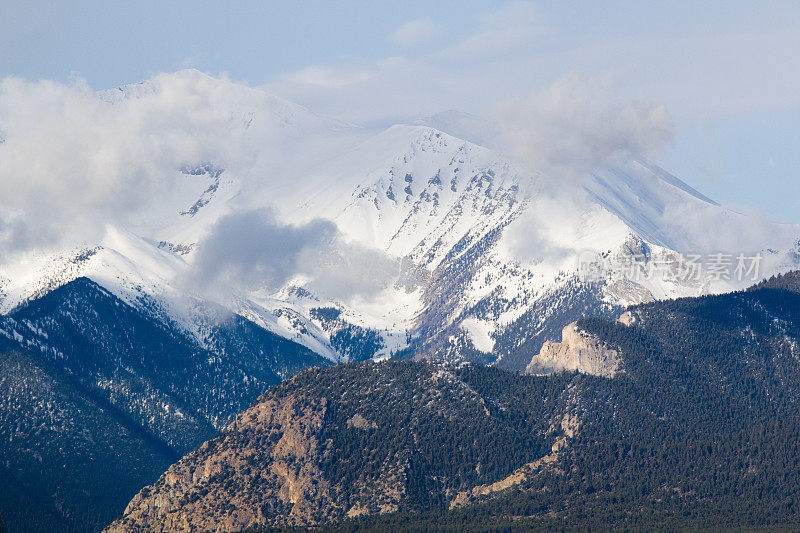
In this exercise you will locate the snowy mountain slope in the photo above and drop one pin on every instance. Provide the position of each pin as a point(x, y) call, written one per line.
point(421, 200)
point(666, 212)
point(487, 242)
point(486, 251)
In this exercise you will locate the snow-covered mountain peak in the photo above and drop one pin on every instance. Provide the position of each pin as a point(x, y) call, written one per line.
point(486, 252)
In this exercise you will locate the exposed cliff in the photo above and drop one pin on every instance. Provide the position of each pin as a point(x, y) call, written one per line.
point(577, 351)
point(265, 465)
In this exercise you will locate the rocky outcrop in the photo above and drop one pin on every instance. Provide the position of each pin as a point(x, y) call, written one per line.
point(358, 421)
point(268, 461)
point(569, 425)
point(577, 351)
point(627, 318)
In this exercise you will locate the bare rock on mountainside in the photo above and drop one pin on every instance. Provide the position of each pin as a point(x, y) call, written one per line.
point(579, 351)
point(271, 451)
point(627, 318)
point(570, 424)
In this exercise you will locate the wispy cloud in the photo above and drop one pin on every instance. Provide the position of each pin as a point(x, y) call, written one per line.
point(425, 79)
point(576, 125)
point(504, 29)
point(253, 250)
point(518, 13)
point(329, 75)
point(487, 43)
point(415, 32)
point(517, 48)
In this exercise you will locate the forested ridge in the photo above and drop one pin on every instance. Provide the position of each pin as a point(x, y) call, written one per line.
point(701, 430)
point(98, 397)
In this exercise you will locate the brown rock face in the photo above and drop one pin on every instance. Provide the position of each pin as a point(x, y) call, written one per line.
point(576, 351)
point(358, 421)
point(277, 433)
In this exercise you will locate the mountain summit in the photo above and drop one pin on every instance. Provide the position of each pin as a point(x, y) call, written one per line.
point(416, 240)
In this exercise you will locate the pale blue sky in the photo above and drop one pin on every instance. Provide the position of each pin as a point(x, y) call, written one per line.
point(728, 72)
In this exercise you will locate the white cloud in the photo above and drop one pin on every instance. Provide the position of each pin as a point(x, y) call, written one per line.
point(509, 27)
point(487, 43)
point(73, 162)
point(575, 126)
point(513, 14)
point(253, 250)
point(328, 75)
point(415, 32)
point(731, 231)
point(347, 270)
point(397, 88)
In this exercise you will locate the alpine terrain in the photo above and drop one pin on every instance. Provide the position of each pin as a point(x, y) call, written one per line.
point(263, 240)
point(437, 246)
point(691, 424)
